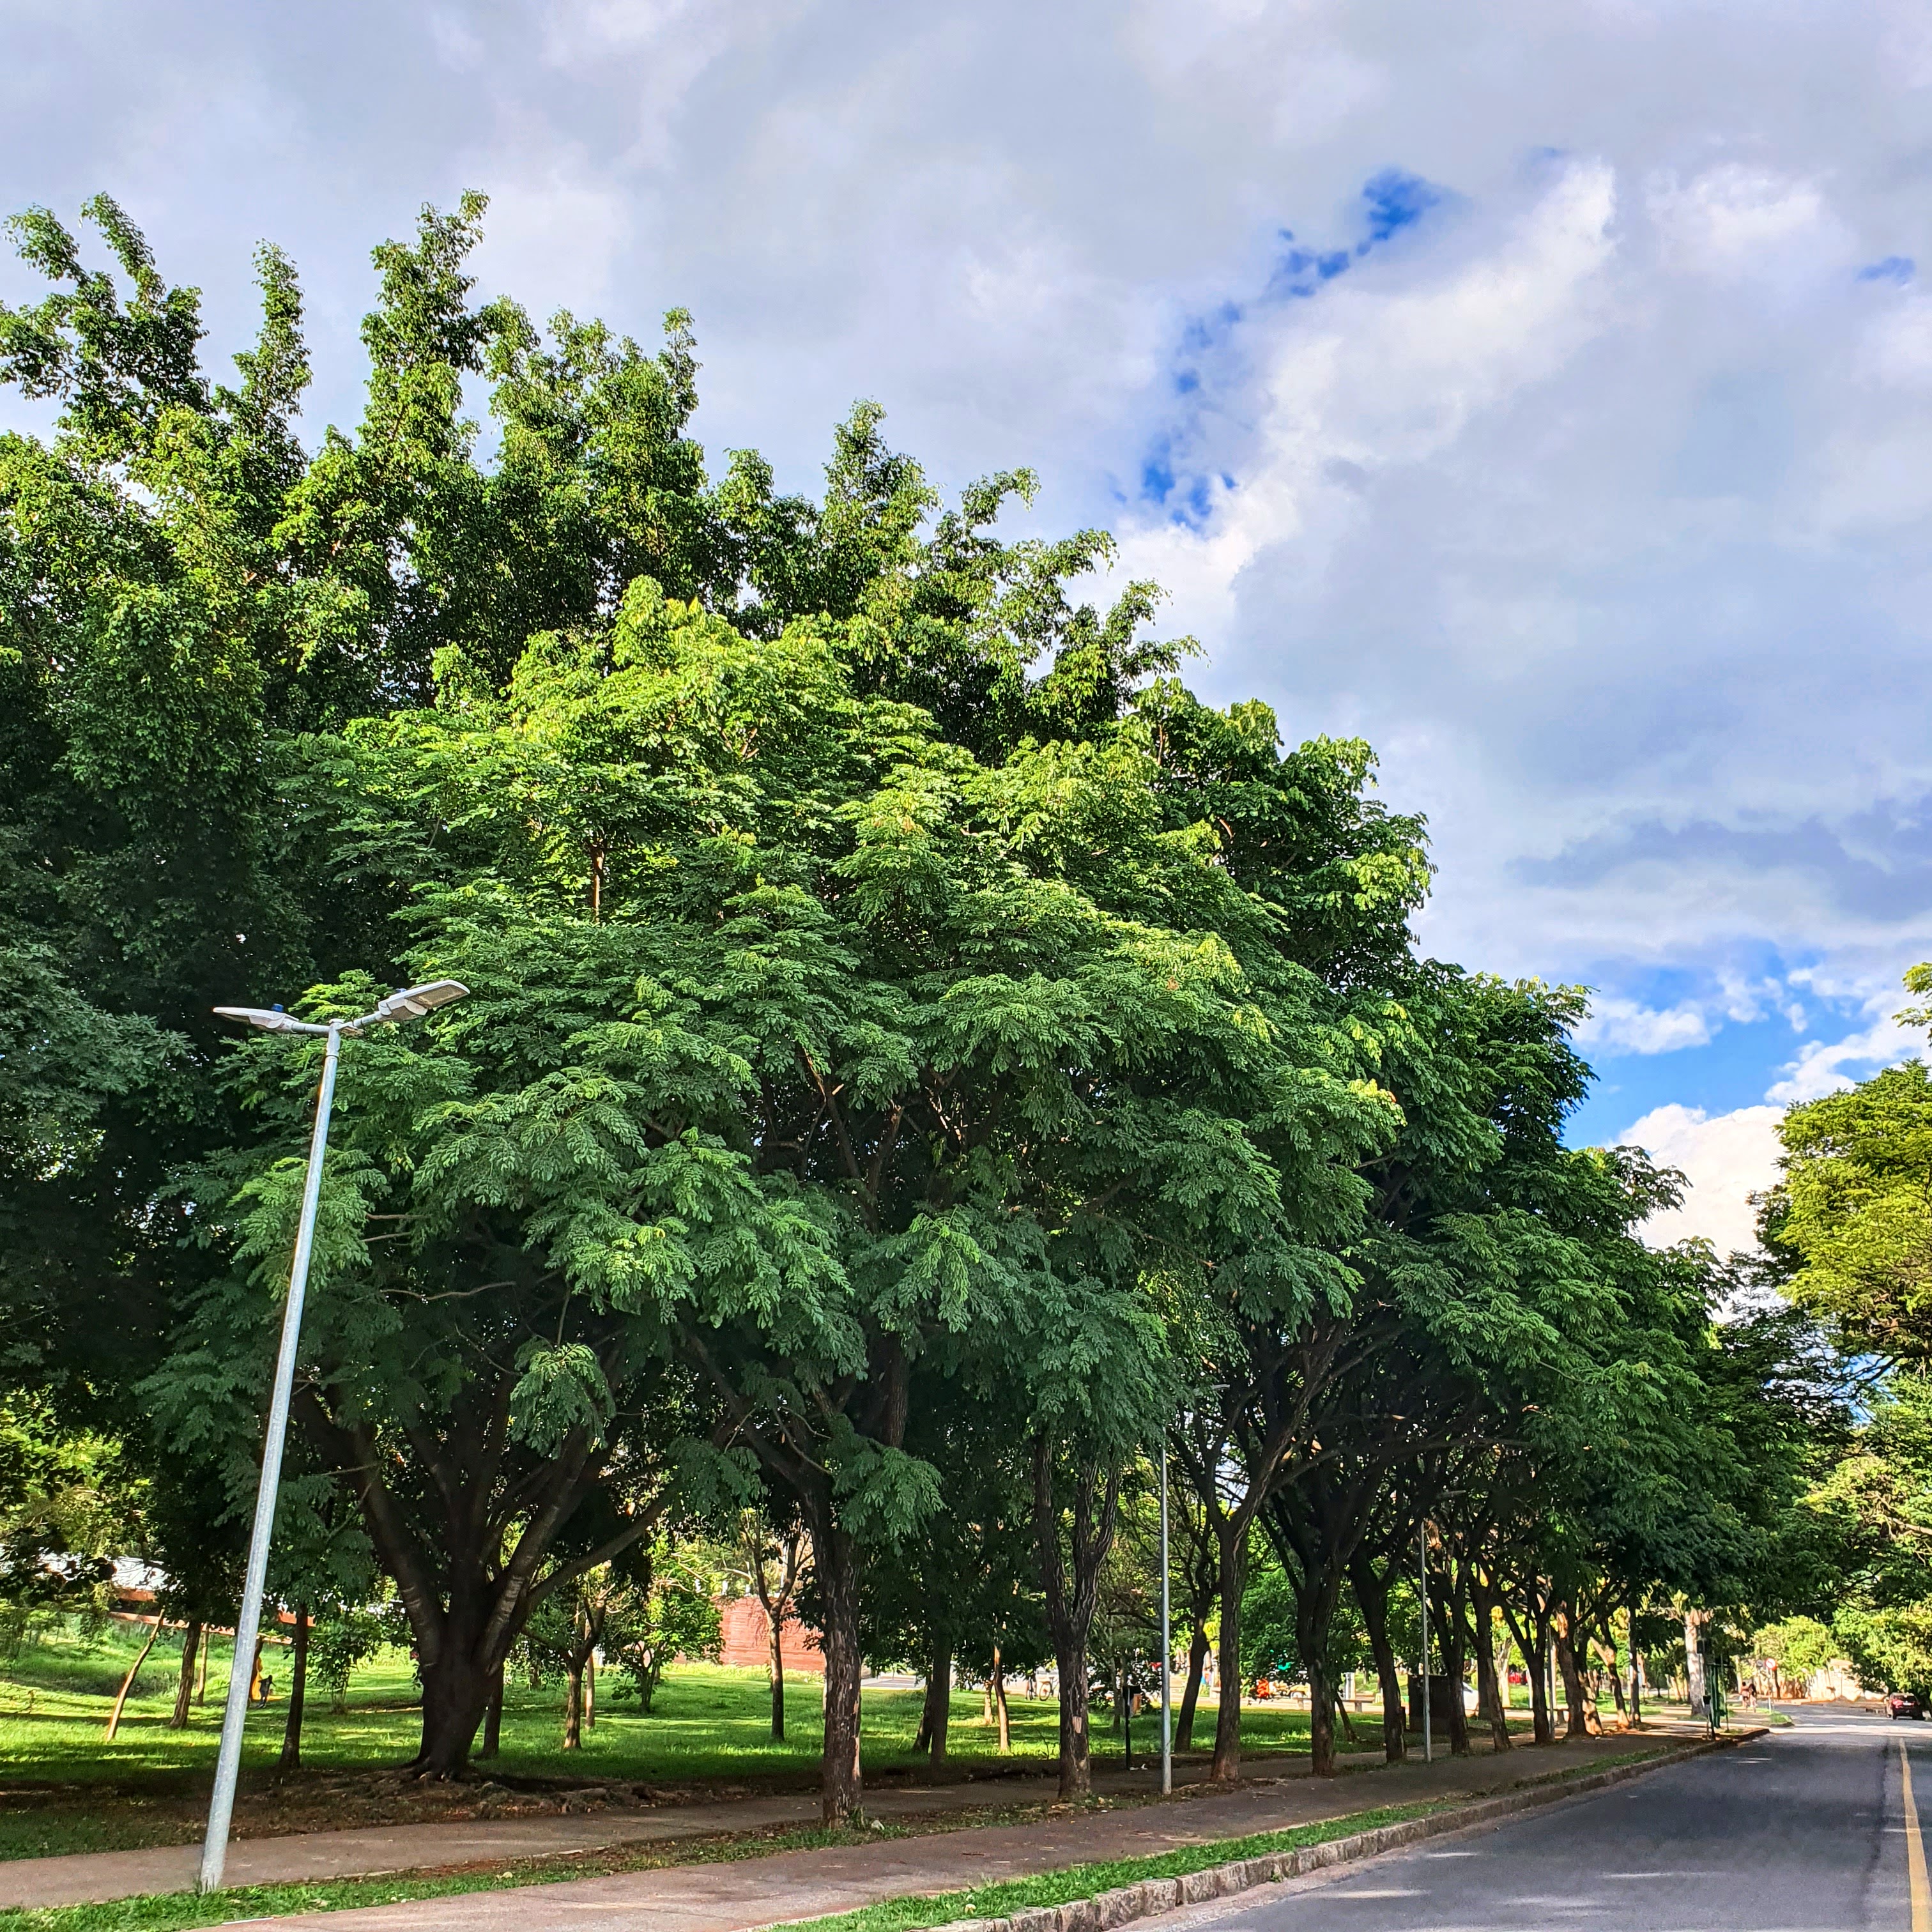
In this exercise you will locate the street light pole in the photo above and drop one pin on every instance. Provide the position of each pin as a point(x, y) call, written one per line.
point(410, 1003)
point(1166, 1646)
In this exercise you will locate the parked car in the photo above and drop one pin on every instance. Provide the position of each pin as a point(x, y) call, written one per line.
point(1905, 1704)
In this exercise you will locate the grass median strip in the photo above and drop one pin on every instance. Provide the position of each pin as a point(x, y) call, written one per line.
point(1073, 1882)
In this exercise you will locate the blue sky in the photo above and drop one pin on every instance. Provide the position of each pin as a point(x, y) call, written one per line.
point(1543, 394)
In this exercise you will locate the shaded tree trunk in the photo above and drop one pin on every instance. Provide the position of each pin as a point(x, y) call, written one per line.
point(1456, 1658)
point(1372, 1598)
point(191, 1646)
point(1000, 1710)
point(590, 1692)
point(775, 1666)
point(1197, 1665)
point(1492, 1696)
point(1575, 1696)
point(934, 1719)
point(573, 1706)
point(201, 1677)
point(841, 1783)
point(298, 1693)
point(1072, 1585)
point(1232, 1533)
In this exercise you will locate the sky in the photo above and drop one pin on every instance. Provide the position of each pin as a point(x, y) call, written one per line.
point(1541, 393)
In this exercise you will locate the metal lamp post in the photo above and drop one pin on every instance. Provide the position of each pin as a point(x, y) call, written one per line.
point(1166, 1646)
point(410, 1003)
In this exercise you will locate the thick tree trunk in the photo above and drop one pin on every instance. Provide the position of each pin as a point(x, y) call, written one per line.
point(1542, 1717)
point(298, 1693)
point(1315, 1600)
point(128, 1684)
point(841, 1784)
point(1226, 1768)
point(201, 1676)
point(1455, 1665)
point(1491, 1697)
point(1693, 1664)
point(456, 1693)
point(1574, 1693)
point(590, 1692)
point(999, 1705)
point(184, 1690)
point(573, 1707)
point(1197, 1665)
point(492, 1717)
point(938, 1703)
point(1070, 1601)
point(1372, 1598)
point(775, 1664)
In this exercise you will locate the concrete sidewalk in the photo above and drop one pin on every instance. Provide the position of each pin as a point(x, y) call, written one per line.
point(727, 1896)
point(83, 1878)
point(789, 1885)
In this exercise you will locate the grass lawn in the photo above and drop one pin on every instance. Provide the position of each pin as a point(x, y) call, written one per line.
point(62, 1789)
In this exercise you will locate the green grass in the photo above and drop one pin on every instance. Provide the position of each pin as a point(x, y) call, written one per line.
point(63, 1789)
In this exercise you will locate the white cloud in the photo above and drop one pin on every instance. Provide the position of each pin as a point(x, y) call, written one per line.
point(1617, 1025)
point(1725, 1159)
point(1826, 1067)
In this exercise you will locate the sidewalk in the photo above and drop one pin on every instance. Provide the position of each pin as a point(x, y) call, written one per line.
point(731, 1897)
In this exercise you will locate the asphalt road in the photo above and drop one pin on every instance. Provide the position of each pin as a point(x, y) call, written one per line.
point(1804, 1830)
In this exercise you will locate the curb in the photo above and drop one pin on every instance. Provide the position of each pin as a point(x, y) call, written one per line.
point(1126, 1903)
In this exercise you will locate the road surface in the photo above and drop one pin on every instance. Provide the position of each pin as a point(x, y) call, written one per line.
point(1805, 1830)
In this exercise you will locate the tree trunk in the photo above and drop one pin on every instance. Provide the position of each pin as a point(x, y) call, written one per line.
point(1070, 1603)
point(1542, 1717)
point(841, 1785)
point(1371, 1597)
point(492, 1717)
point(298, 1693)
point(573, 1708)
point(201, 1676)
point(184, 1690)
point(590, 1692)
point(1455, 1661)
point(456, 1693)
point(127, 1683)
point(999, 1705)
point(1197, 1664)
point(938, 1702)
point(1693, 1664)
point(1491, 1693)
point(775, 1664)
point(1226, 1768)
point(1316, 1592)
point(1574, 1695)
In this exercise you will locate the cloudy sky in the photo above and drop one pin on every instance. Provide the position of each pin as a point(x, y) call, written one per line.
point(1542, 392)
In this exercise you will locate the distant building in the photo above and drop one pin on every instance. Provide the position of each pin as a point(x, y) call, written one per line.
point(747, 1634)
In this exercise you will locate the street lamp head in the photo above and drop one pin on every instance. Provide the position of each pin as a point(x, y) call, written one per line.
point(412, 1002)
point(270, 1020)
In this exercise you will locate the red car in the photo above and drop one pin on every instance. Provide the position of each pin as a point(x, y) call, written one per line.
point(1905, 1704)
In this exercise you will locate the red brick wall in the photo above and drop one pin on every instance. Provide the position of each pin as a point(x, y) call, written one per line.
point(747, 1633)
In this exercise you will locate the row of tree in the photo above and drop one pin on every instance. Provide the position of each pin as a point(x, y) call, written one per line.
point(919, 1058)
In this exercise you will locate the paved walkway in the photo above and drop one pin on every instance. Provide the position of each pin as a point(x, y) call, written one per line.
point(738, 1895)
point(83, 1878)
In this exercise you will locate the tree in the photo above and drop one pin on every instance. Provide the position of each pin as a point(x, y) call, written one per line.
point(1852, 1215)
point(777, 1563)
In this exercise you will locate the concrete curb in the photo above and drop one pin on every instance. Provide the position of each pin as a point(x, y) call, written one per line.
point(1126, 1903)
